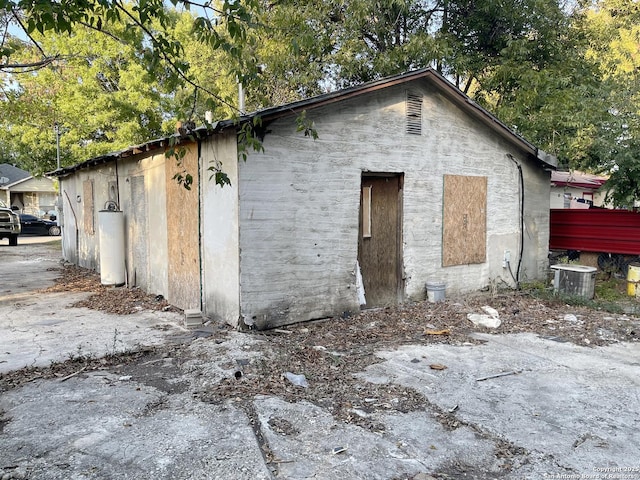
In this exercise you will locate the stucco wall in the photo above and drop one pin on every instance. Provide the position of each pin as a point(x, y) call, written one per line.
point(299, 204)
point(146, 221)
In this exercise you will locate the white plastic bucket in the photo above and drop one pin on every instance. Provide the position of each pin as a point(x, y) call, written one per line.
point(436, 291)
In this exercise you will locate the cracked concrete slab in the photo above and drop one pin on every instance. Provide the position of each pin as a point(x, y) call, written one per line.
point(101, 427)
point(47, 330)
point(308, 442)
point(515, 407)
point(575, 406)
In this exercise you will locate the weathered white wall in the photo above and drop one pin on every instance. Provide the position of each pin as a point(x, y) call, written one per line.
point(299, 204)
point(535, 258)
point(82, 247)
point(68, 220)
point(79, 245)
point(219, 230)
point(152, 277)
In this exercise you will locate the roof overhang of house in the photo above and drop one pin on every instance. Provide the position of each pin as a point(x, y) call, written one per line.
point(9, 186)
point(576, 179)
point(295, 108)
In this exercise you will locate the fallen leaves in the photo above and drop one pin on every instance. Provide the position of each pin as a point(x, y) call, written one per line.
point(444, 331)
point(437, 366)
point(117, 300)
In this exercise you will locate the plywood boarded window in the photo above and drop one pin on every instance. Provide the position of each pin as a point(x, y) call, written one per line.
point(464, 232)
point(366, 212)
point(88, 210)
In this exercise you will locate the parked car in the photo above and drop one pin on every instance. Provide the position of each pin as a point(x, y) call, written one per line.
point(9, 224)
point(32, 225)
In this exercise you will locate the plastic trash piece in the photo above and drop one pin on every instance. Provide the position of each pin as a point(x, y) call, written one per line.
point(490, 319)
point(297, 380)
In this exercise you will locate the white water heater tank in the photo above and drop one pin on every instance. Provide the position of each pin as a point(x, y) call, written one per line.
point(111, 238)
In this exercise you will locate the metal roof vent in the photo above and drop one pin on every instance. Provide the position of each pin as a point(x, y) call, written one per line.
point(414, 113)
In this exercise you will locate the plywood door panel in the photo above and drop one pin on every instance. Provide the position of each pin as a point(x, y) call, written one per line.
point(464, 232)
point(89, 208)
point(183, 232)
point(379, 249)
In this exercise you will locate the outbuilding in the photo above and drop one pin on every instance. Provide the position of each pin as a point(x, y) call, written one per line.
point(408, 182)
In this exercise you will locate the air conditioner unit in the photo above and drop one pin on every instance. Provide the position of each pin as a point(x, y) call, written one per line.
point(579, 280)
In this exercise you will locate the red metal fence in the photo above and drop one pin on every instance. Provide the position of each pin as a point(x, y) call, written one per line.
point(595, 230)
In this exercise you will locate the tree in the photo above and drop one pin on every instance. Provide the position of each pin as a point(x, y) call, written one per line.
point(108, 73)
point(222, 26)
point(101, 97)
point(613, 27)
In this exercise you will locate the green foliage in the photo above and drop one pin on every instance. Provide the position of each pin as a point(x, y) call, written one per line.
point(177, 153)
point(114, 74)
point(303, 124)
point(249, 137)
point(609, 294)
point(611, 289)
point(217, 174)
point(103, 97)
point(613, 27)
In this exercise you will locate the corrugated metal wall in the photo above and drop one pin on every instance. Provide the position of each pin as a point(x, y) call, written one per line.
point(595, 230)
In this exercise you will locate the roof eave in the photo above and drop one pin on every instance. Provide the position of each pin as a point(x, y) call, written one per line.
point(453, 93)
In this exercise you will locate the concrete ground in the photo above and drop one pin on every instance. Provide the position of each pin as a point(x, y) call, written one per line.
point(514, 407)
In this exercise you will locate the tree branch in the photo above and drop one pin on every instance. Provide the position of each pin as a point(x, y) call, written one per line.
point(24, 29)
point(170, 61)
point(109, 34)
point(28, 67)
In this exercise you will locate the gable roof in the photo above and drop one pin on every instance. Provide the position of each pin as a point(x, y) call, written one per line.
point(269, 114)
point(14, 174)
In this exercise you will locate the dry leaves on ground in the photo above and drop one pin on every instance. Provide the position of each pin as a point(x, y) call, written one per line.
point(329, 352)
point(116, 300)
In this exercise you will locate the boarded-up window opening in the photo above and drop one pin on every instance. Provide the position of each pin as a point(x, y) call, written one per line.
point(414, 113)
point(366, 212)
point(464, 231)
point(88, 211)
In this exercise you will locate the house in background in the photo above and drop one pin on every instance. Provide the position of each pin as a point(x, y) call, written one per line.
point(26, 193)
point(574, 189)
point(408, 182)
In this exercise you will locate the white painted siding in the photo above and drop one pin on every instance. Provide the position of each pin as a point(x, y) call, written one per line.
point(82, 247)
point(152, 277)
point(220, 233)
point(299, 204)
point(557, 196)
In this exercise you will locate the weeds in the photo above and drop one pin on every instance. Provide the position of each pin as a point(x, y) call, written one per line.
point(609, 294)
